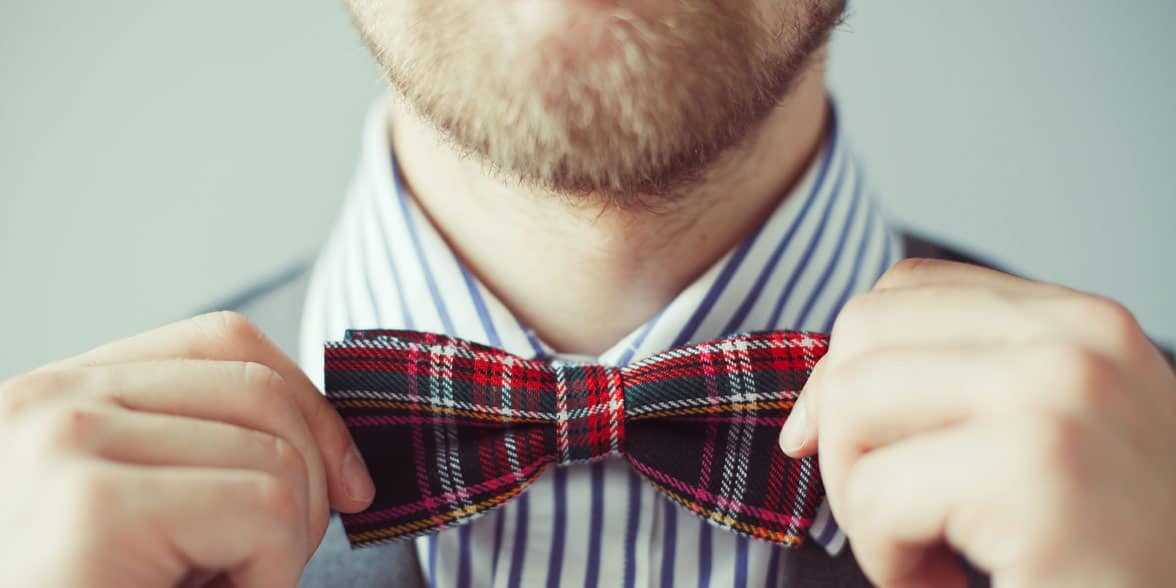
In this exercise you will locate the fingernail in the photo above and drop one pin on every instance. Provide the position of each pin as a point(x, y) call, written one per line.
point(356, 479)
point(793, 435)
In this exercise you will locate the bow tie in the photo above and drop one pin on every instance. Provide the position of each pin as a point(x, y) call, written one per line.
point(452, 429)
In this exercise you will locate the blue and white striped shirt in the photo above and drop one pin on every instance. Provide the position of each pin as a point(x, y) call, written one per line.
point(385, 265)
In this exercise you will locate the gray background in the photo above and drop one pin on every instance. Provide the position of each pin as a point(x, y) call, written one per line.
point(157, 156)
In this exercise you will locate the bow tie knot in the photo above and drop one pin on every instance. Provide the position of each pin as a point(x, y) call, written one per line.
point(589, 412)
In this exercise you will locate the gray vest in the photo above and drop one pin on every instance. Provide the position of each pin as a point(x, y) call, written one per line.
point(276, 306)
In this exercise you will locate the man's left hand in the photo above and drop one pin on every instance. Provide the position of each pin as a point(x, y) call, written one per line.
point(1026, 426)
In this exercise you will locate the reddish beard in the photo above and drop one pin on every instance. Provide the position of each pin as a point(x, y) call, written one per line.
point(605, 104)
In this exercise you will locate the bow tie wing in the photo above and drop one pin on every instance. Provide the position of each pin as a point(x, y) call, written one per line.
point(449, 429)
point(702, 424)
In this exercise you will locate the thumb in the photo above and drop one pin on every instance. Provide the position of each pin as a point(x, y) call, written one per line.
point(798, 438)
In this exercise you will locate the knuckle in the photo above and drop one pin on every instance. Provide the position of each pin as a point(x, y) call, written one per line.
point(68, 428)
point(1078, 376)
point(1107, 311)
point(1052, 474)
point(854, 317)
point(1059, 439)
point(1115, 321)
point(860, 495)
point(39, 383)
point(260, 377)
point(857, 306)
point(265, 388)
point(1052, 444)
point(836, 407)
point(275, 497)
point(286, 456)
point(12, 399)
point(901, 271)
point(232, 326)
point(319, 412)
point(856, 329)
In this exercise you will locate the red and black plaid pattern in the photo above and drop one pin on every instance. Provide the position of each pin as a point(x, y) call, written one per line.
point(589, 412)
point(451, 429)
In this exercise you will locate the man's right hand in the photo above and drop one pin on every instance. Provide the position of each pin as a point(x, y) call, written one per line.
point(196, 452)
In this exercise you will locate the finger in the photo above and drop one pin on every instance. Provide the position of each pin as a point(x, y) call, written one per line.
point(877, 399)
point(920, 272)
point(944, 315)
point(248, 396)
point(798, 437)
point(883, 397)
point(1037, 308)
point(1096, 323)
point(244, 394)
point(228, 336)
point(162, 440)
point(244, 523)
point(903, 319)
point(902, 505)
point(186, 413)
point(888, 396)
point(142, 438)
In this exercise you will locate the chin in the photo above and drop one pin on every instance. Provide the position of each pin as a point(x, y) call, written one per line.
point(540, 9)
point(576, 29)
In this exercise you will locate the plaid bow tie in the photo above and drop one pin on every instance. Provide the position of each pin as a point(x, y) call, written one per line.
point(451, 429)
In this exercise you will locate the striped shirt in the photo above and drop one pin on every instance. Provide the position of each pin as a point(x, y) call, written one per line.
point(385, 266)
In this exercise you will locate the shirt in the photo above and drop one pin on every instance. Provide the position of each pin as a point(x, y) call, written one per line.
point(385, 265)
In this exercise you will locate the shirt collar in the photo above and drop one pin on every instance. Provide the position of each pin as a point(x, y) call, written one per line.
point(386, 266)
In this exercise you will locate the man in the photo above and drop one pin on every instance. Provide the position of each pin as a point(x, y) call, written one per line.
point(602, 181)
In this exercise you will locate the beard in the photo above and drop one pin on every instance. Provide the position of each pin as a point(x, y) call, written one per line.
point(595, 99)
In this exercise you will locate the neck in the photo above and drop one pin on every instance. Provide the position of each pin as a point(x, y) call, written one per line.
point(582, 277)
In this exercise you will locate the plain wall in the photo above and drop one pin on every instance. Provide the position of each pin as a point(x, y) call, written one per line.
point(156, 157)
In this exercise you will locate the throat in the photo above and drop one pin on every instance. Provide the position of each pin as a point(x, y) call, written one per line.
point(583, 284)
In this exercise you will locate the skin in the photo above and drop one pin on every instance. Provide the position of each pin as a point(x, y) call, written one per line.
point(614, 247)
point(194, 453)
point(1025, 425)
point(958, 410)
point(617, 267)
